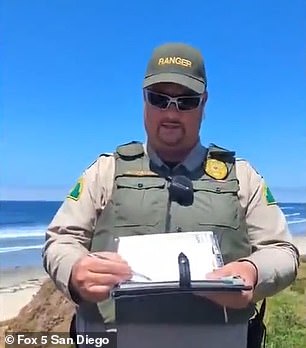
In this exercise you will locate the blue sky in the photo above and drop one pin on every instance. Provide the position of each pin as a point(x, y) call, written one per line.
point(72, 74)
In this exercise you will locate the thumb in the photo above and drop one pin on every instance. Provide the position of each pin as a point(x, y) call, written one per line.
point(218, 273)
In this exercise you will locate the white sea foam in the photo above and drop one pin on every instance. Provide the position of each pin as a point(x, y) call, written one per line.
point(288, 208)
point(300, 221)
point(19, 248)
point(293, 214)
point(23, 232)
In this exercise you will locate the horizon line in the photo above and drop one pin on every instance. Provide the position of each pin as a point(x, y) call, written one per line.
point(62, 200)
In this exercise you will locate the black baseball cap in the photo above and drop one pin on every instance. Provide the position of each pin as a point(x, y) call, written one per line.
point(178, 63)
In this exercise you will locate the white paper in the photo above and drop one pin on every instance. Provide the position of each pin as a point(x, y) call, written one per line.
point(156, 255)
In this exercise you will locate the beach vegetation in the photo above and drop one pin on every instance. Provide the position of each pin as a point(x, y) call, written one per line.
point(286, 315)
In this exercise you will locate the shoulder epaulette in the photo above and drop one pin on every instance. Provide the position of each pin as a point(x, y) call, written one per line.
point(104, 154)
point(130, 150)
point(215, 150)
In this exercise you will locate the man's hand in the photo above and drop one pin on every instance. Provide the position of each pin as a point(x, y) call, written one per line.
point(92, 278)
point(247, 272)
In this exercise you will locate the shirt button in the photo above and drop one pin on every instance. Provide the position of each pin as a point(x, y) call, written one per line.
point(179, 229)
point(140, 185)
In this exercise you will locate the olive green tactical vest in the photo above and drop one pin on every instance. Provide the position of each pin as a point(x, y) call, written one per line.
point(138, 206)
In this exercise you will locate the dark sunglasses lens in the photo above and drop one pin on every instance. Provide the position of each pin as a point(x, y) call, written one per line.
point(158, 100)
point(188, 103)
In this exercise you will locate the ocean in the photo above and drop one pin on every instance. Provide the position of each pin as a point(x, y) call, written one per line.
point(23, 225)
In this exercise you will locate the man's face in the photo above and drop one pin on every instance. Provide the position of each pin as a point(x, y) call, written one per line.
point(168, 128)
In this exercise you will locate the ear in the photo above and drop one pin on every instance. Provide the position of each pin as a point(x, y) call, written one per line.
point(205, 97)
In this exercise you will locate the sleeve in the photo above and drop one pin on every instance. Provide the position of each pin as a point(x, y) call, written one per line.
point(274, 254)
point(69, 234)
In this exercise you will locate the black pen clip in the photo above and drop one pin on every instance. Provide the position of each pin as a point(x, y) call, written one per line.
point(184, 270)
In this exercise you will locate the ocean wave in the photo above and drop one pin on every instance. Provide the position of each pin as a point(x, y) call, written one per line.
point(38, 231)
point(300, 221)
point(293, 214)
point(4, 223)
point(19, 248)
point(23, 232)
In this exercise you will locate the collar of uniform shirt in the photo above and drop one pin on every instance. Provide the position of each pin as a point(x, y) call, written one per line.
point(192, 161)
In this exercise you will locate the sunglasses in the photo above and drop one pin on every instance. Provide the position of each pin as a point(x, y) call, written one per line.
point(163, 101)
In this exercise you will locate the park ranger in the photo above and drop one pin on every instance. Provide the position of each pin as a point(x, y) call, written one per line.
point(125, 193)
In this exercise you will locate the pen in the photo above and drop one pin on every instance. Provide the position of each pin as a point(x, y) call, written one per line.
point(134, 273)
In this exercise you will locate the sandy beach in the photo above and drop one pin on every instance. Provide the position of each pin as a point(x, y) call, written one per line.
point(300, 242)
point(19, 285)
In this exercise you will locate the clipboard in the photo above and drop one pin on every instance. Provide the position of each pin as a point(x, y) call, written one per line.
point(185, 283)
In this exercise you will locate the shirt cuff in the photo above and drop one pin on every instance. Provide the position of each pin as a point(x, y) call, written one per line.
point(276, 270)
point(61, 274)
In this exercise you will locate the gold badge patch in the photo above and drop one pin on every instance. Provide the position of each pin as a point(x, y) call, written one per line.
point(216, 169)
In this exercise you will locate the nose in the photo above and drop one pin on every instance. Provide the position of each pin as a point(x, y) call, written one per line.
point(172, 107)
point(172, 111)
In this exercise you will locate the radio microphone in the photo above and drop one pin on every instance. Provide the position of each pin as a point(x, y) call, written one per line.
point(181, 191)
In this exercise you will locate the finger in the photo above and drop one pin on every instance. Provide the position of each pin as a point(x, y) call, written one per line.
point(237, 301)
point(109, 266)
point(97, 293)
point(110, 255)
point(219, 299)
point(105, 279)
point(232, 301)
point(218, 273)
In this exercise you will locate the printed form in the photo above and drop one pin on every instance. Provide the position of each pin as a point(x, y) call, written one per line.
point(154, 257)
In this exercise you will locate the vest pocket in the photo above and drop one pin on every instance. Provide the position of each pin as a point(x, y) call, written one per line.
point(219, 203)
point(221, 212)
point(138, 201)
point(137, 183)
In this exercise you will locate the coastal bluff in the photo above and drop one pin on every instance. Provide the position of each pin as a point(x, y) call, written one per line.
point(48, 311)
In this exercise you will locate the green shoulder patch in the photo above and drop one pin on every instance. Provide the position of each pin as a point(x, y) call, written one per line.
point(268, 196)
point(75, 193)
